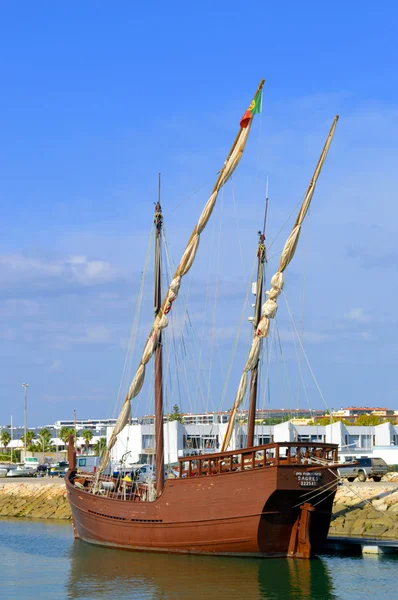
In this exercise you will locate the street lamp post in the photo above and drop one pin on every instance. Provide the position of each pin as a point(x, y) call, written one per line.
point(25, 386)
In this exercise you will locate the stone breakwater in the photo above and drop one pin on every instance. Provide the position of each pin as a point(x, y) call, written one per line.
point(34, 500)
point(365, 511)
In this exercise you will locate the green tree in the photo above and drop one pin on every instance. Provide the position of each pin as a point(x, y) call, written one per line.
point(326, 421)
point(99, 447)
point(176, 415)
point(87, 436)
point(368, 420)
point(30, 436)
point(64, 434)
point(44, 441)
point(5, 438)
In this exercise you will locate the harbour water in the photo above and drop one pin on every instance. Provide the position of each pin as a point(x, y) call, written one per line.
point(41, 560)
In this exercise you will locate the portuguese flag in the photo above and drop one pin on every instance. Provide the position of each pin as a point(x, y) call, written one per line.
point(254, 108)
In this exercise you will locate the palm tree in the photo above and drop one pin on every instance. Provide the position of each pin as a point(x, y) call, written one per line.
point(100, 446)
point(44, 441)
point(5, 439)
point(87, 436)
point(64, 434)
point(30, 436)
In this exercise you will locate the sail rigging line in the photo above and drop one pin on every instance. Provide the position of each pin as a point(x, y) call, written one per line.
point(303, 298)
point(331, 485)
point(202, 368)
point(134, 328)
point(284, 225)
point(323, 487)
point(269, 308)
point(237, 336)
point(198, 364)
point(286, 394)
point(185, 324)
point(215, 302)
point(332, 492)
point(260, 283)
point(305, 354)
point(299, 365)
point(317, 492)
point(177, 329)
point(186, 262)
point(237, 227)
point(190, 196)
point(158, 351)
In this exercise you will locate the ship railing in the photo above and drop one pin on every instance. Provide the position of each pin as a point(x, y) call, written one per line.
point(118, 488)
point(268, 455)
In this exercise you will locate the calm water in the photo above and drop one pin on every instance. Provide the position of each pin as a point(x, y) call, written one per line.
point(42, 561)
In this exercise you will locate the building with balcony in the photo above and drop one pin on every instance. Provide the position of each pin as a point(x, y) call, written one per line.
point(136, 443)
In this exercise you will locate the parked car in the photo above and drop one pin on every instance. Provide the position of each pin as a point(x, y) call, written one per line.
point(59, 469)
point(30, 471)
point(363, 468)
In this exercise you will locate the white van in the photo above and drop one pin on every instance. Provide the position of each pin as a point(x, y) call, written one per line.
point(88, 464)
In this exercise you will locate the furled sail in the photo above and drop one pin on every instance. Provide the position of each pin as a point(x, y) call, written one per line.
point(184, 266)
point(269, 308)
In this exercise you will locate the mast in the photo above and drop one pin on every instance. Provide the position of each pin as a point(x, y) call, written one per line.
point(186, 262)
point(270, 306)
point(158, 220)
point(261, 256)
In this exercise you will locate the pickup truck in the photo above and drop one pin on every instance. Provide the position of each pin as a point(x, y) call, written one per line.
point(363, 468)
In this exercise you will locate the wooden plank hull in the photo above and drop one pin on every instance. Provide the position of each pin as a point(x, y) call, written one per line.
point(246, 513)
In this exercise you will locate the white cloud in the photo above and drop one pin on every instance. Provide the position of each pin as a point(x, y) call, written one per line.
point(97, 334)
point(21, 269)
point(56, 365)
point(358, 315)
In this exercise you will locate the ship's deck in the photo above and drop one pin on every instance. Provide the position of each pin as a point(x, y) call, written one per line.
point(277, 454)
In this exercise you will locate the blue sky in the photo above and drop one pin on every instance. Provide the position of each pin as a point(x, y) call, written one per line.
point(98, 98)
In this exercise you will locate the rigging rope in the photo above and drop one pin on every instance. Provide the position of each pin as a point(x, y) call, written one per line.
point(269, 308)
point(137, 314)
point(305, 354)
point(216, 291)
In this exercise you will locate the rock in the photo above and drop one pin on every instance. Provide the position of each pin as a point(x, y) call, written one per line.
point(352, 515)
point(376, 531)
point(380, 505)
point(358, 527)
point(339, 507)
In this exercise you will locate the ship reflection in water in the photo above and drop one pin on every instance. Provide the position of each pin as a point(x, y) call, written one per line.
point(105, 573)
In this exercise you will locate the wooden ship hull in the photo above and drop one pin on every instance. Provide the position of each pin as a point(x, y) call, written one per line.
point(282, 508)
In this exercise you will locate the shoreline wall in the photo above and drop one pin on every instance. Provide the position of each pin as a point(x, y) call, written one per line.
point(358, 510)
point(34, 501)
point(365, 511)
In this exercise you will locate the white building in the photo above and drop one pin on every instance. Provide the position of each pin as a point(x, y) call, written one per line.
point(136, 443)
